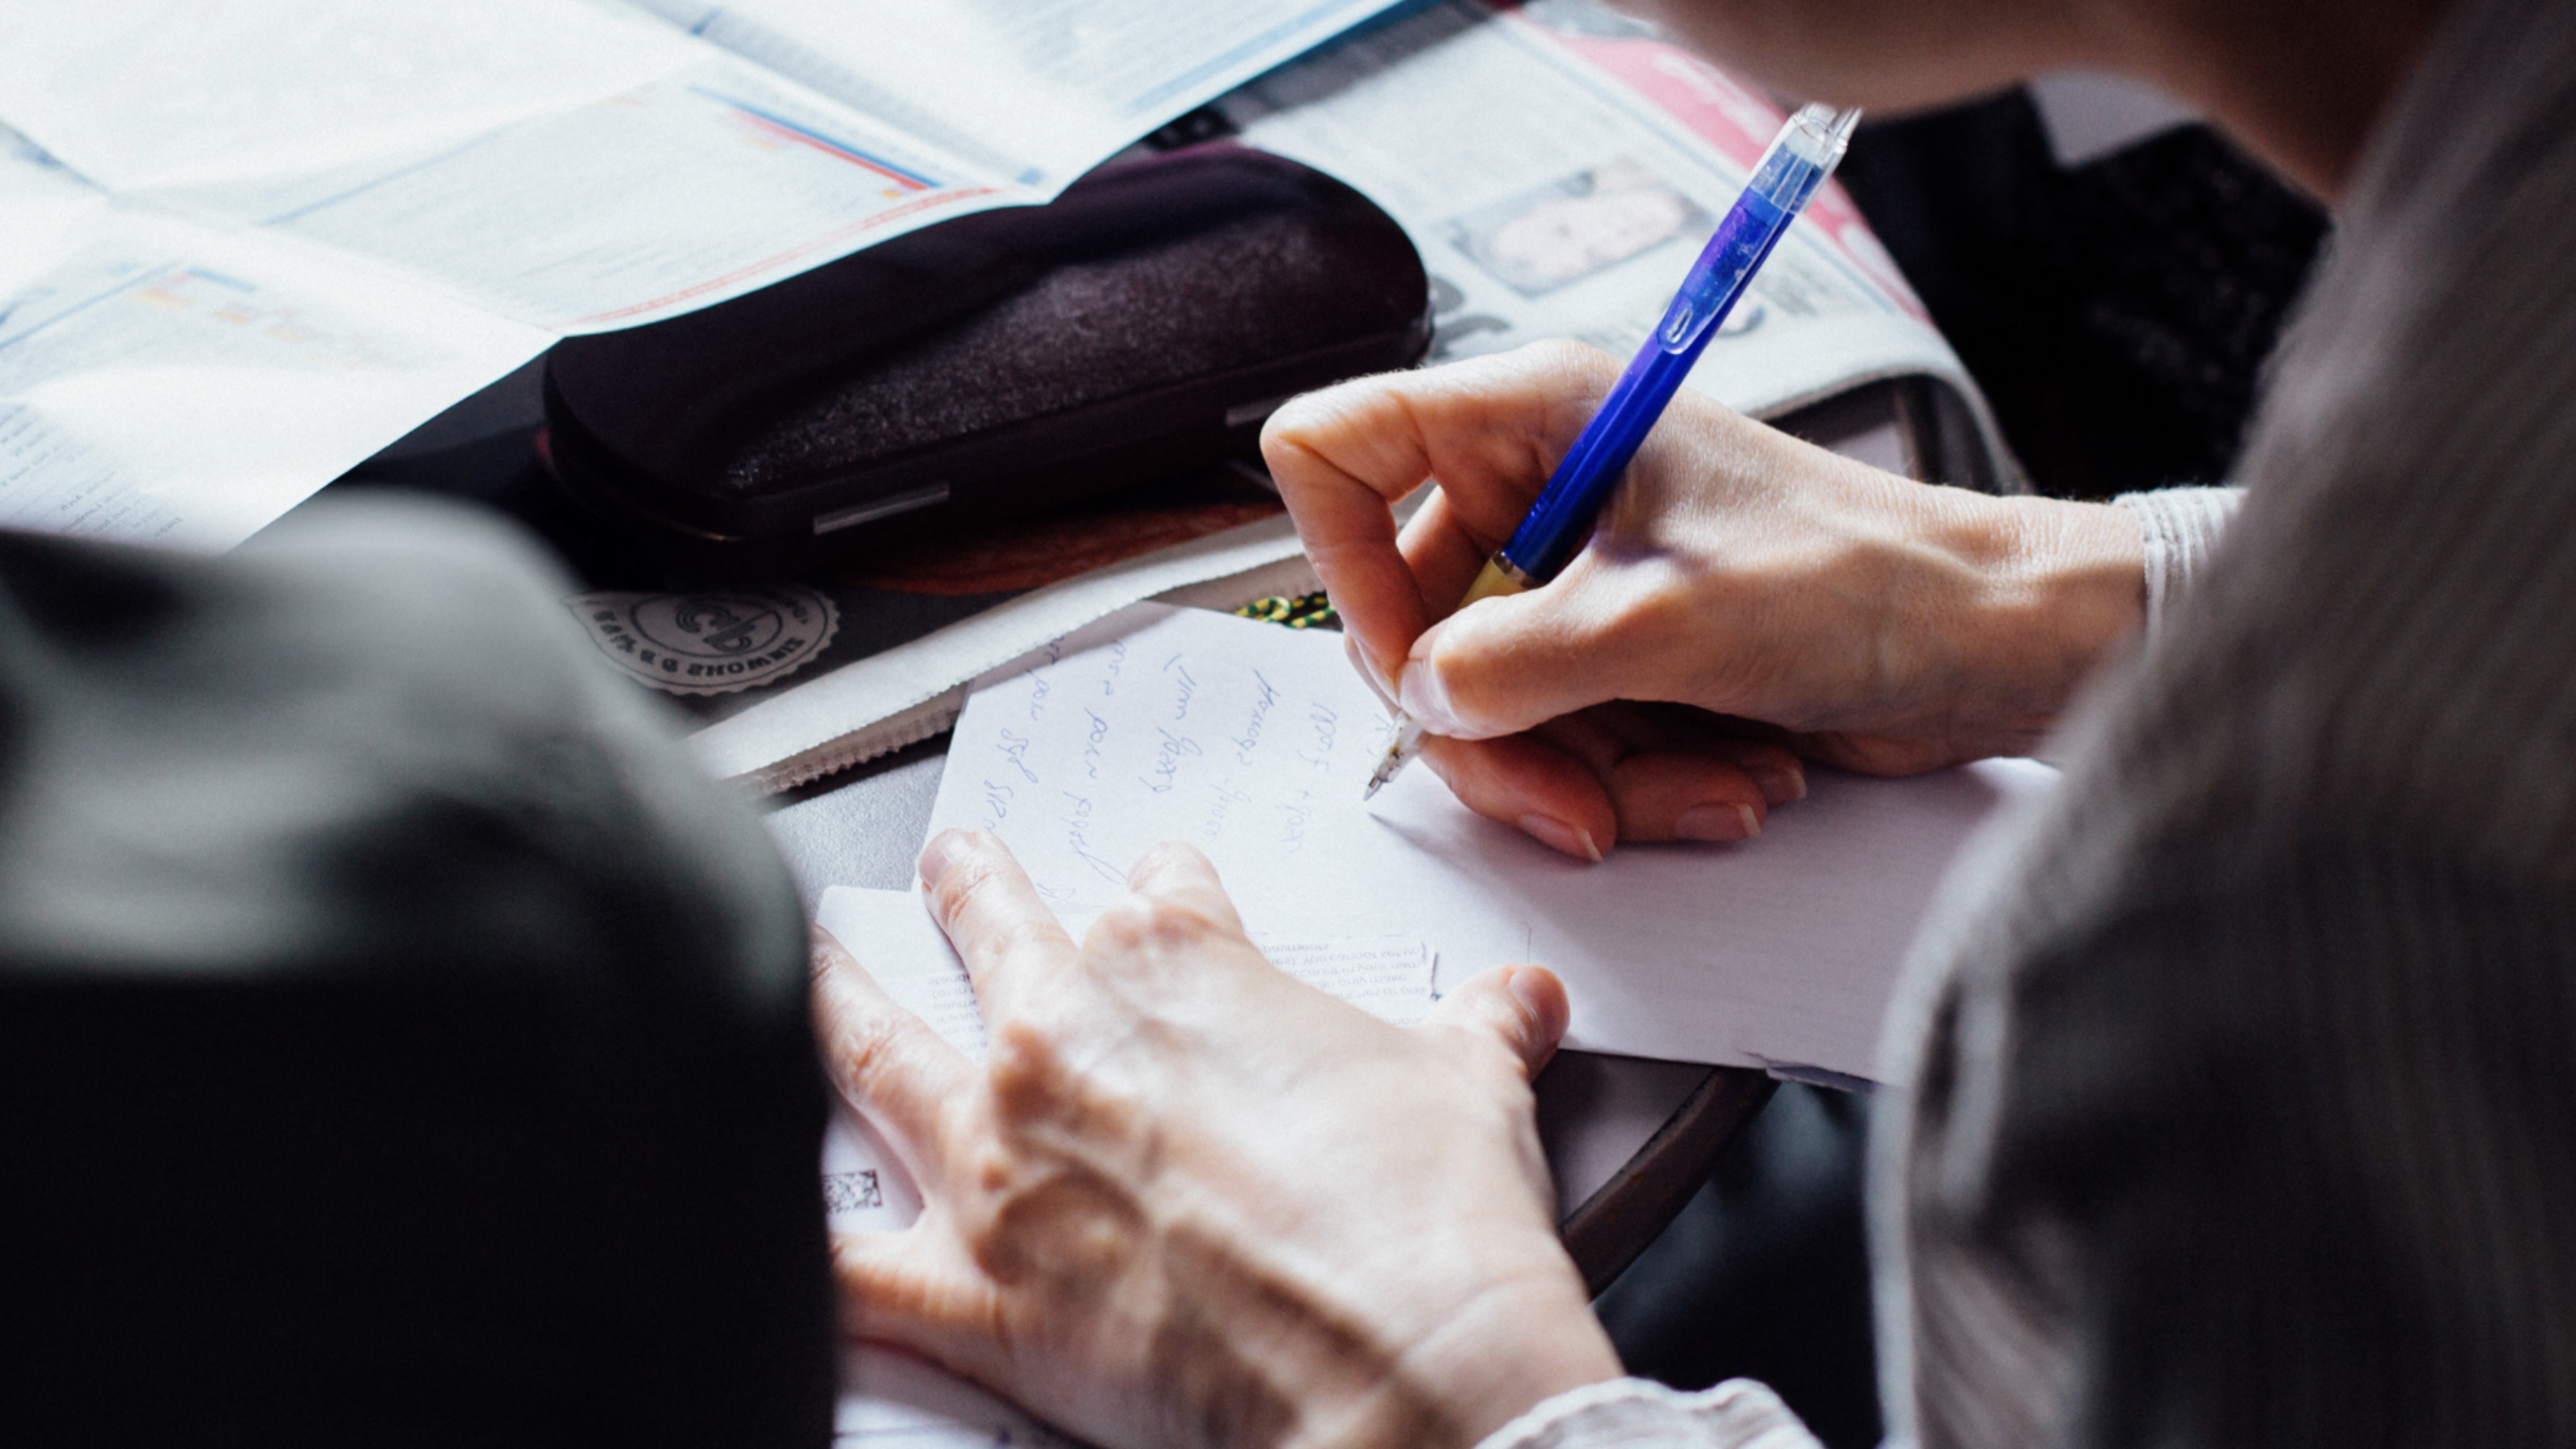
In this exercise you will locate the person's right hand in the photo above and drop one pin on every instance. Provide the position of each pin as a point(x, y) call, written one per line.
point(1869, 621)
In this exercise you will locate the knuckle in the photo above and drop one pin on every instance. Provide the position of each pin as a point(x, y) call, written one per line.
point(1158, 857)
point(1504, 1072)
point(1465, 670)
point(878, 1055)
point(1121, 929)
point(1484, 1051)
point(1140, 925)
point(1167, 922)
point(1047, 1075)
point(1062, 1222)
point(1031, 1076)
point(1290, 425)
point(960, 883)
point(1576, 359)
point(1019, 938)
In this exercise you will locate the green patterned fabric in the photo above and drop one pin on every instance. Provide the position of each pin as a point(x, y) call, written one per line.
point(1306, 611)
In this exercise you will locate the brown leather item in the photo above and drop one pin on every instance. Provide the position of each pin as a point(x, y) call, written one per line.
point(1143, 324)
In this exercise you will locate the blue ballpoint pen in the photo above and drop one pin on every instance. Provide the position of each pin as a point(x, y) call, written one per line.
point(1560, 522)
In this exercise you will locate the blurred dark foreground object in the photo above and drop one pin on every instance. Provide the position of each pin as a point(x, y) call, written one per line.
point(2117, 314)
point(1143, 324)
point(1765, 1273)
point(399, 1042)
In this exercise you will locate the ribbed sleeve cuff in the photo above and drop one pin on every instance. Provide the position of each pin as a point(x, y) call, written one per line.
point(2181, 527)
point(1636, 1413)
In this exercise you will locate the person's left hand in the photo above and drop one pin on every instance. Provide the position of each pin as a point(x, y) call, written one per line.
point(1192, 1202)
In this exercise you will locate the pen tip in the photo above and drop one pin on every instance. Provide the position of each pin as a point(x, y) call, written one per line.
point(1385, 771)
point(1399, 750)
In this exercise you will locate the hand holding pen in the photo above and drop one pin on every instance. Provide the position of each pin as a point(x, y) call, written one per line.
point(1861, 618)
point(1786, 178)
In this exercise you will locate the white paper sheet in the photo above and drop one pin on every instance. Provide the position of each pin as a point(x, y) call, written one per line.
point(1252, 742)
point(179, 383)
point(50, 209)
point(1056, 85)
point(675, 195)
point(141, 95)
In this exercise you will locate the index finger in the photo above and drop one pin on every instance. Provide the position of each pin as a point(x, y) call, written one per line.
point(1489, 430)
point(888, 1064)
point(1003, 930)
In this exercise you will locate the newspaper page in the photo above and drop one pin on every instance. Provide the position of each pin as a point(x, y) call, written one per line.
point(1559, 166)
point(1057, 85)
point(167, 381)
point(452, 184)
point(585, 164)
point(650, 173)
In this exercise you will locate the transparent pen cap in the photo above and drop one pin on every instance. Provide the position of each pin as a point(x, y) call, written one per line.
point(1805, 153)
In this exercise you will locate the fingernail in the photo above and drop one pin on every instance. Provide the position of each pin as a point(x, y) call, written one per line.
point(1426, 699)
point(1529, 986)
point(1558, 835)
point(1781, 783)
point(1718, 822)
point(1368, 672)
point(943, 848)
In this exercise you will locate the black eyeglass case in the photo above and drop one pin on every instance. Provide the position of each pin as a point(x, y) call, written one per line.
point(1143, 324)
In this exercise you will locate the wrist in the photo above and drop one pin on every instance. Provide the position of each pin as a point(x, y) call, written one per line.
point(1514, 1347)
point(2057, 585)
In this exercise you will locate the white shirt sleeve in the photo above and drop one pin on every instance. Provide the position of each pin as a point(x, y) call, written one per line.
point(1638, 1413)
point(2181, 527)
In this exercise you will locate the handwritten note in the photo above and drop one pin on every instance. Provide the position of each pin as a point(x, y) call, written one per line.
point(1252, 742)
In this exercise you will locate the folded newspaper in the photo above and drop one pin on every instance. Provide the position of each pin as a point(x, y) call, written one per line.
point(246, 243)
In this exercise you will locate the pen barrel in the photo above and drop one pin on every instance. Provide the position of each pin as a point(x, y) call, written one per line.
point(1560, 522)
point(1783, 182)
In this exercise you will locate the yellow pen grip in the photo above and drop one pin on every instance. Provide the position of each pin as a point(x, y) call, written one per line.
point(1499, 578)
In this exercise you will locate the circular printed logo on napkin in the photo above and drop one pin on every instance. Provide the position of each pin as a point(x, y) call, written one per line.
point(712, 642)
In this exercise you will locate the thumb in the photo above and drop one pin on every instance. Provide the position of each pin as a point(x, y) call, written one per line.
point(1504, 664)
point(1521, 1009)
